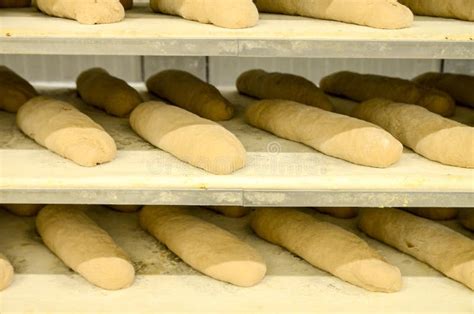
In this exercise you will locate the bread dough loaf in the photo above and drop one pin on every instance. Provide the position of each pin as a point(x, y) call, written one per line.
point(23, 209)
point(63, 129)
point(14, 4)
point(263, 85)
point(14, 90)
point(331, 133)
point(189, 92)
point(458, 9)
point(126, 208)
point(434, 213)
point(458, 86)
point(441, 247)
point(197, 141)
point(204, 246)
point(98, 88)
point(362, 87)
point(231, 211)
point(84, 11)
point(223, 13)
point(466, 217)
point(339, 212)
point(127, 4)
point(6, 273)
point(328, 247)
point(430, 135)
point(83, 246)
point(374, 13)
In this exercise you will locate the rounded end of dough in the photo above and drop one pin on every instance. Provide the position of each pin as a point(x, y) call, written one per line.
point(389, 15)
point(464, 273)
point(111, 273)
point(123, 101)
point(239, 273)
point(99, 12)
point(6, 274)
point(438, 102)
point(126, 208)
point(24, 210)
point(234, 14)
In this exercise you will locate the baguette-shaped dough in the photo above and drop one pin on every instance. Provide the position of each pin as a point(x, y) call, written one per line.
point(458, 9)
point(23, 209)
point(197, 141)
point(374, 13)
point(362, 87)
point(126, 208)
point(84, 11)
point(433, 213)
point(458, 86)
point(14, 4)
point(14, 90)
point(205, 247)
point(232, 211)
point(100, 89)
point(263, 85)
point(441, 247)
point(339, 212)
point(127, 4)
point(84, 247)
point(328, 247)
point(63, 129)
point(430, 135)
point(328, 132)
point(223, 13)
point(189, 92)
point(6, 273)
point(466, 217)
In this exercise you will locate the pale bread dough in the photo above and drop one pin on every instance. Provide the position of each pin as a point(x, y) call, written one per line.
point(458, 9)
point(6, 273)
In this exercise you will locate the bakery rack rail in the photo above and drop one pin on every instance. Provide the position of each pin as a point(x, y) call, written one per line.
point(26, 31)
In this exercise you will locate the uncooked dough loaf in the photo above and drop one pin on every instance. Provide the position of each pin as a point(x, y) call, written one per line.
point(331, 133)
point(430, 135)
point(339, 212)
point(328, 247)
point(23, 209)
point(6, 272)
point(127, 4)
point(84, 11)
point(204, 246)
point(200, 142)
point(362, 87)
point(189, 92)
point(14, 90)
point(14, 4)
point(374, 13)
point(98, 88)
point(466, 217)
point(223, 13)
point(263, 85)
point(63, 129)
point(83, 246)
point(232, 211)
point(458, 9)
point(441, 247)
point(458, 86)
point(126, 208)
point(434, 213)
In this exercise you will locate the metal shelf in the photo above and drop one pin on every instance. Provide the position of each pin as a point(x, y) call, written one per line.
point(25, 31)
point(278, 172)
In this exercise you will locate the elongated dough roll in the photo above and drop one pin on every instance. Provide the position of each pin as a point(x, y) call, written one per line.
point(204, 246)
point(197, 141)
point(127, 4)
point(433, 213)
point(223, 13)
point(458, 86)
point(83, 246)
point(14, 90)
point(458, 9)
point(362, 87)
point(430, 135)
point(6, 273)
point(63, 129)
point(189, 92)
point(232, 211)
point(263, 85)
point(444, 249)
point(374, 13)
point(84, 11)
point(328, 247)
point(23, 209)
point(100, 89)
point(331, 133)
point(466, 217)
point(126, 208)
point(14, 3)
point(339, 212)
